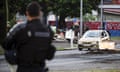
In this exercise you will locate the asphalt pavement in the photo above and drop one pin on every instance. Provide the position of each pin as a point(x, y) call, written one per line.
point(72, 63)
point(3, 65)
point(76, 61)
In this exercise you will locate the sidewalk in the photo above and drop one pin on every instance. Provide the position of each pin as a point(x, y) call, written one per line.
point(3, 65)
point(2, 57)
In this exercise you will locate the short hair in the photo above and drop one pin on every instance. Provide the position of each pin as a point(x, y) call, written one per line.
point(33, 9)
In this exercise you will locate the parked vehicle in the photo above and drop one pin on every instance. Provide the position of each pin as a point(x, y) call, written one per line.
point(91, 38)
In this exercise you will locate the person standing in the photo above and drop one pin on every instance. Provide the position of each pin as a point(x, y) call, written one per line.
point(32, 41)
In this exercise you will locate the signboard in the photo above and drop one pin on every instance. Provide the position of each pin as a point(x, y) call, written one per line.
point(108, 25)
point(92, 25)
point(113, 25)
point(116, 1)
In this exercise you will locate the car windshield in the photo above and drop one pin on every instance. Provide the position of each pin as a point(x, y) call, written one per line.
point(92, 34)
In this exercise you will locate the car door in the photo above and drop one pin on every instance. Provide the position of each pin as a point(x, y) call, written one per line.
point(104, 35)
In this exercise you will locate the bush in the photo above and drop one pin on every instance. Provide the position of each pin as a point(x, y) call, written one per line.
point(1, 51)
point(115, 38)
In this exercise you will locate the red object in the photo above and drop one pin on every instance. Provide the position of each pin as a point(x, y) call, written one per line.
point(116, 1)
point(113, 25)
point(69, 24)
point(108, 25)
point(92, 25)
point(52, 23)
point(95, 25)
point(113, 11)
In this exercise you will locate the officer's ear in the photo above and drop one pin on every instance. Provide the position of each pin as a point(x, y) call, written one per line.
point(28, 16)
point(40, 13)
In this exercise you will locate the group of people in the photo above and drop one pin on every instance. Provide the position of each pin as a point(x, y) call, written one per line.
point(32, 41)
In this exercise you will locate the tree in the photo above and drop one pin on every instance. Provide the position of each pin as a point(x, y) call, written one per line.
point(2, 21)
point(89, 17)
point(65, 8)
point(62, 8)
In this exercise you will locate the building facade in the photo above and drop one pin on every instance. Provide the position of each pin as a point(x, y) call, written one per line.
point(111, 1)
point(111, 14)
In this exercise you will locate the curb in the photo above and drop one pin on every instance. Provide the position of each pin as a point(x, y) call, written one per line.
point(2, 57)
point(70, 48)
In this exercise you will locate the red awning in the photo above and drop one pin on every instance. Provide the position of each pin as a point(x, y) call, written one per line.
point(112, 11)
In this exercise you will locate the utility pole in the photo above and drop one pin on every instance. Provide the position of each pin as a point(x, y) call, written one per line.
point(7, 13)
point(81, 16)
point(101, 27)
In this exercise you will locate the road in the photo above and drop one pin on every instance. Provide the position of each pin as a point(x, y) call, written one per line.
point(83, 60)
point(61, 43)
point(72, 60)
point(76, 60)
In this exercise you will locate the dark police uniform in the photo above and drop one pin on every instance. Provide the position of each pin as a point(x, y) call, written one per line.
point(32, 41)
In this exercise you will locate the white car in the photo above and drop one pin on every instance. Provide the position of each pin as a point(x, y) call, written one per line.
point(91, 38)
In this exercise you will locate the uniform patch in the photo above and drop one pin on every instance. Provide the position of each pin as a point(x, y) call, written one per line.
point(42, 34)
point(29, 34)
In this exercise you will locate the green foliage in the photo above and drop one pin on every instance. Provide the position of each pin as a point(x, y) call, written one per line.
point(2, 21)
point(70, 7)
point(1, 50)
point(89, 17)
point(59, 7)
point(115, 38)
point(67, 7)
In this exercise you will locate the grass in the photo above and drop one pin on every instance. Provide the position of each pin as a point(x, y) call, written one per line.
point(115, 38)
point(110, 70)
point(1, 50)
point(60, 49)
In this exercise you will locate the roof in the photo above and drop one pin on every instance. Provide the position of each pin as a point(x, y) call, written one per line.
point(111, 6)
point(112, 11)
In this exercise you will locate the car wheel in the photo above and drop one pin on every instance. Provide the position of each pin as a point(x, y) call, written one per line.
point(80, 49)
point(98, 49)
point(75, 41)
point(89, 49)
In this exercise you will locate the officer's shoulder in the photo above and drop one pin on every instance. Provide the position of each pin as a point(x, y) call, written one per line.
point(21, 25)
point(17, 27)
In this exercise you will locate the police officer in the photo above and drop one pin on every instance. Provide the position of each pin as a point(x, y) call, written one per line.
point(32, 41)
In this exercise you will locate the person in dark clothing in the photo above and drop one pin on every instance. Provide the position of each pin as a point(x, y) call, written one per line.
point(32, 41)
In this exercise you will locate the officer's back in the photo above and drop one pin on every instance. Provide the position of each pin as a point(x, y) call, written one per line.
point(32, 41)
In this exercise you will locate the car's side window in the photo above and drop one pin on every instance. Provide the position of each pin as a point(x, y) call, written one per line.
point(103, 34)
